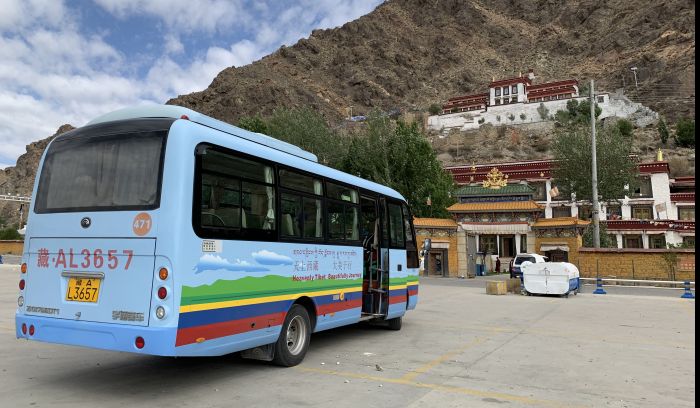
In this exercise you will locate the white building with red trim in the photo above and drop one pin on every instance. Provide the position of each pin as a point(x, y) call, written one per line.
point(518, 100)
point(660, 212)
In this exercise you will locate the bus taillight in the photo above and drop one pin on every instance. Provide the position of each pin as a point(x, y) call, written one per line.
point(163, 274)
point(31, 330)
point(23, 268)
point(139, 342)
point(162, 293)
point(24, 328)
point(21, 284)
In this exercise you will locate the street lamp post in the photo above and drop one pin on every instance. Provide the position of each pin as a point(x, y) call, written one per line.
point(634, 71)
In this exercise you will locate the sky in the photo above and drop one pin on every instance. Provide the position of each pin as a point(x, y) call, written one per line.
point(68, 61)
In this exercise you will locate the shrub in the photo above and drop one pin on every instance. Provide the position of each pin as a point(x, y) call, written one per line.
point(663, 131)
point(435, 109)
point(685, 133)
point(543, 111)
point(482, 120)
point(9, 234)
point(523, 116)
point(625, 127)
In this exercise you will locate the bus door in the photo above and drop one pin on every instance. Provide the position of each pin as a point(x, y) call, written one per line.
point(375, 285)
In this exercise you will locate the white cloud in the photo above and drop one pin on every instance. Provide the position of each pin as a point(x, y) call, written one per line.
point(173, 44)
point(184, 15)
point(52, 73)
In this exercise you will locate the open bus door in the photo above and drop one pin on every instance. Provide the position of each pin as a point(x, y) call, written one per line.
point(375, 288)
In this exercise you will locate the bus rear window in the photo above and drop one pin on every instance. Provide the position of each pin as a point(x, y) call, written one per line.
point(102, 173)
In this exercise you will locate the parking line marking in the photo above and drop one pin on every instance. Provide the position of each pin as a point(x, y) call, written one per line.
point(439, 387)
point(434, 363)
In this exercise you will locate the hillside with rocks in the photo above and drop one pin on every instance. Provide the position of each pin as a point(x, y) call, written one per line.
point(408, 54)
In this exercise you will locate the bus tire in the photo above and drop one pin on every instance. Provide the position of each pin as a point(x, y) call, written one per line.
point(395, 323)
point(294, 339)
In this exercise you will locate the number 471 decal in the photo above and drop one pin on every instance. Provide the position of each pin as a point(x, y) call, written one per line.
point(142, 224)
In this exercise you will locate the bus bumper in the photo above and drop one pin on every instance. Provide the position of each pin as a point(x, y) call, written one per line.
point(117, 337)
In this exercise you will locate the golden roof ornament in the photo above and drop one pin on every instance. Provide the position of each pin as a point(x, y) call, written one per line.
point(495, 179)
point(659, 155)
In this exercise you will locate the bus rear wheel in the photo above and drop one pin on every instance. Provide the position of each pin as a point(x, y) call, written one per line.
point(395, 323)
point(293, 342)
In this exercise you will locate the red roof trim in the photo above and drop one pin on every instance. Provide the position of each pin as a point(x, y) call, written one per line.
point(663, 225)
point(683, 197)
point(517, 80)
point(552, 84)
point(473, 96)
point(655, 167)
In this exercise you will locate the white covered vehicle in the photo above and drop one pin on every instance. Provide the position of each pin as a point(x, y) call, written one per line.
point(550, 278)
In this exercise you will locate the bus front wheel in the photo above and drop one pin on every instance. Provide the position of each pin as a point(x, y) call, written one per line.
point(293, 342)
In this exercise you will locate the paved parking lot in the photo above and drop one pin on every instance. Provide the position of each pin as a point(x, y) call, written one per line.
point(460, 348)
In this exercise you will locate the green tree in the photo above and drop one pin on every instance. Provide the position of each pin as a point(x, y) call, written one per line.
point(543, 111)
point(9, 234)
point(605, 239)
point(685, 133)
point(307, 129)
point(663, 131)
point(253, 123)
point(399, 156)
point(435, 109)
point(572, 151)
point(625, 127)
point(577, 113)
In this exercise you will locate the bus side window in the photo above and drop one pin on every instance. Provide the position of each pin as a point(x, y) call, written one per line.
point(237, 197)
point(397, 236)
point(411, 248)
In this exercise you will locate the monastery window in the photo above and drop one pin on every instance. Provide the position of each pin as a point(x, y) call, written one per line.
point(642, 212)
point(601, 99)
point(487, 244)
point(644, 189)
point(613, 212)
point(498, 91)
point(632, 241)
point(689, 242)
point(540, 191)
point(657, 241)
point(498, 101)
point(563, 211)
point(585, 212)
point(686, 213)
point(506, 90)
point(515, 89)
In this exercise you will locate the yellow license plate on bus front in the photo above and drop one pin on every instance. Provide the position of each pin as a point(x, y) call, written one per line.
point(83, 289)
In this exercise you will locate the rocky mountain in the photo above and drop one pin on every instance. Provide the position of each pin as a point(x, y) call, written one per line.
point(20, 178)
point(409, 54)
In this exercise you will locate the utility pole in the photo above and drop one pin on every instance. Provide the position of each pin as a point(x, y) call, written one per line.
point(594, 175)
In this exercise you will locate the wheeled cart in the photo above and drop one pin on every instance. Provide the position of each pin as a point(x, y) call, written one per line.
point(550, 278)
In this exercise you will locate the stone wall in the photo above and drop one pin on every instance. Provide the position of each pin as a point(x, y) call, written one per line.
point(573, 242)
point(636, 263)
point(11, 247)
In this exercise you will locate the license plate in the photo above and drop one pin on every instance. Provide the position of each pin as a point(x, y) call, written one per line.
point(83, 289)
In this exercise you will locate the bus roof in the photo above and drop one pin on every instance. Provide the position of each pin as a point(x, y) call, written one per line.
point(309, 164)
point(177, 112)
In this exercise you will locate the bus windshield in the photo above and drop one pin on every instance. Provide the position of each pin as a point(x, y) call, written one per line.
point(102, 173)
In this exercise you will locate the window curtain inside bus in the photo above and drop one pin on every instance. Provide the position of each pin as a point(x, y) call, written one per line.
point(318, 190)
point(270, 218)
point(103, 173)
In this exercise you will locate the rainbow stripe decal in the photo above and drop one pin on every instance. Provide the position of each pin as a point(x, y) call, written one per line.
point(226, 308)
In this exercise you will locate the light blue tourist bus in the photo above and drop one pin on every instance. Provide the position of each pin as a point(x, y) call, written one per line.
point(162, 231)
